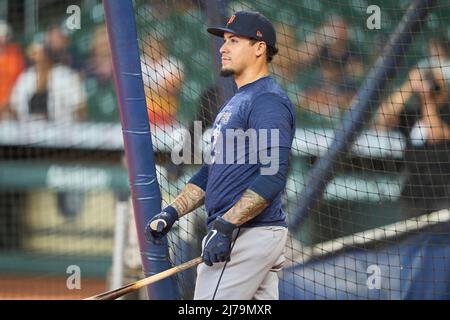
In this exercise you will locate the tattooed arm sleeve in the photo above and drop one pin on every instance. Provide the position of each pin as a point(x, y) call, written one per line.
point(193, 194)
point(190, 198)
point(249, 206)
point(260, 193)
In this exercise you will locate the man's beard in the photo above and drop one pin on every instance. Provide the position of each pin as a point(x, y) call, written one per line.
point(227, 72)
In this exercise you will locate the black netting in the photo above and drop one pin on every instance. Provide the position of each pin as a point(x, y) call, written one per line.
point(380, 229)
point(394, 171)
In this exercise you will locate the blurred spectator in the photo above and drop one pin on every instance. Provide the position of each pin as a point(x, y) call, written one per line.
point(57, 46)
point(12, 64)
point(340, 68)
point(286, 63)
point(427, 125)
point(48, 89)
point(101, 98)
point(428, 84)
point(163, 76)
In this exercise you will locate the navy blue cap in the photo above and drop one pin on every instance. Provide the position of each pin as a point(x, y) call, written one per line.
point(248, 24)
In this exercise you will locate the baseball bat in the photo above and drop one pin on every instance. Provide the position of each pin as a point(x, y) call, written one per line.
point(116, 293)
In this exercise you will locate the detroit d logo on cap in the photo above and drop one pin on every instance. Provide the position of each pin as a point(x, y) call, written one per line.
point(230, 21)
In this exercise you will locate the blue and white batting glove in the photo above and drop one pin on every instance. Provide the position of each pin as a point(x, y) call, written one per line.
point(160, 225)
point(217, 246)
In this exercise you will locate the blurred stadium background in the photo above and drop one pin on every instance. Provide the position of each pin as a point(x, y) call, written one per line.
point(64, 190)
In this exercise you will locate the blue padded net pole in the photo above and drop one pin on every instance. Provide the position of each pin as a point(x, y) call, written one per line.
point(145, 191)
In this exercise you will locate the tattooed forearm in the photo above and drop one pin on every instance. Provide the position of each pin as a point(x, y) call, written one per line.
point(190, 198)
point(249, 206)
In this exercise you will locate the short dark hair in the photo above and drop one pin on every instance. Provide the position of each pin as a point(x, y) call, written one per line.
point(270, 52)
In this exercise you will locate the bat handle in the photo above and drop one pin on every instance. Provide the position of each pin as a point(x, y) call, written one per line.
point(158, 225)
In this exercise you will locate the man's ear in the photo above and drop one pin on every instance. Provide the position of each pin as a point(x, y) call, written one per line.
point(261, 48)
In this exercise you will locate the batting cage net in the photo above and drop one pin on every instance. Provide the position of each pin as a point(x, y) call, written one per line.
point(368, 191)
point(380, 229)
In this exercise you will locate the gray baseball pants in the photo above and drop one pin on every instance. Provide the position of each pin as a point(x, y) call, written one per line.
point(257, 256)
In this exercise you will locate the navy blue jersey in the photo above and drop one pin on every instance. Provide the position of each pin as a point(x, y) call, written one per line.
point(259, 108)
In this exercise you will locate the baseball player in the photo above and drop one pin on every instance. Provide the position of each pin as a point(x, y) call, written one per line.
point(243, 250)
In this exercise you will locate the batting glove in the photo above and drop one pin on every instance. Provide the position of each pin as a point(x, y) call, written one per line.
point(217, 246)
point(160, 225)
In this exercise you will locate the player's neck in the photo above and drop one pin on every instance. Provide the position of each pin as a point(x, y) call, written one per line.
point(251, 75)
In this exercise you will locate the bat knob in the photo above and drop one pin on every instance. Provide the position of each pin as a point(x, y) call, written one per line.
point(158, 225)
